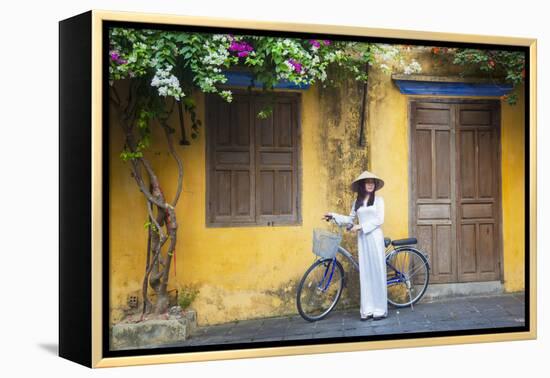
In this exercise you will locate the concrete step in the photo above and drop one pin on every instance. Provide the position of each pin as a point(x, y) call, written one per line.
point(154, 332)
point(440, 291)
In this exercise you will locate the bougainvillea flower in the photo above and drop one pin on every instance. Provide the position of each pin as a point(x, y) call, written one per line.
point(297, 65)
point(240, 47)
point(315, 43)
point(114, 55)
point(234, 46)
point(326, 42)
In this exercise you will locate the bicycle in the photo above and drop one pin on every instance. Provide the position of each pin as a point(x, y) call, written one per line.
point(407, 268)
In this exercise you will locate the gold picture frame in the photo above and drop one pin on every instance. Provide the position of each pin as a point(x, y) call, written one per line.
point(82, 244)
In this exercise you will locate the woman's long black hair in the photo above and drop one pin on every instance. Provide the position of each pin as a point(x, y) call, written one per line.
point(362, 193)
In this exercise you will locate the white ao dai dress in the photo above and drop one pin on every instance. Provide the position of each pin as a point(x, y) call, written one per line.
point(372, 264)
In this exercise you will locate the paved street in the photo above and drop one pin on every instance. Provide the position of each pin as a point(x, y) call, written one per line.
point(442, 315)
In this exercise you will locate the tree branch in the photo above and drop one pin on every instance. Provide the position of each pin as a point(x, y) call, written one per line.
point(177, 158)
point(141, 184)
point(155, 222)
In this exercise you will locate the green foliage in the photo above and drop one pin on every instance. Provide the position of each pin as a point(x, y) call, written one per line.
point(186, 295)
point(266, 113)
point(150, 225)
point(198, 60)
point(498, 64)
point(126, 155)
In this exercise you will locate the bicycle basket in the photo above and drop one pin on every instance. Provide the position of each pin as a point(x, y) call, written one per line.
point(325, 243)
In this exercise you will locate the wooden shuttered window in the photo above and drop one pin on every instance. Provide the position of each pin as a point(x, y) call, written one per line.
point(252, 163)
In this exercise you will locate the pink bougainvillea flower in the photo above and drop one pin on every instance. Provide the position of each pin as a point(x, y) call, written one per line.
point(297, 65)
point(114, 55)
point(234, 46)
point(242, 49)
point(315, 43)
point(326, 42)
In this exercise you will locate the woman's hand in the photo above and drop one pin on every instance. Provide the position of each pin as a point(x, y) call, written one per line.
point(356, 228)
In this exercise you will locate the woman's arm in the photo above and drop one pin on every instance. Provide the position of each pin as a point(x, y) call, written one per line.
point(374, 222)
point(345, 219)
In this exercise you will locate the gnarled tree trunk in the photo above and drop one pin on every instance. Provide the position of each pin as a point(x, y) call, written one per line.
point(161, 215)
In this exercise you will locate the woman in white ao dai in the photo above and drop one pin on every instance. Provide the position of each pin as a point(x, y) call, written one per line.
point(368, 209)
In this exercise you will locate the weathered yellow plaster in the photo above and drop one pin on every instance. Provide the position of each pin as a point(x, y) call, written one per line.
point(513, 193)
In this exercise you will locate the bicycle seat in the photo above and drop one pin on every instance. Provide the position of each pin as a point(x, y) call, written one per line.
point(400, 242)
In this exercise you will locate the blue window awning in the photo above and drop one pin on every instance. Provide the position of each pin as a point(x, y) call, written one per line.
point(245, 79)
point(450, 86)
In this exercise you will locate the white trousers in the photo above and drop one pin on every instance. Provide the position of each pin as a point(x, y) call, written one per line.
point(372, 274)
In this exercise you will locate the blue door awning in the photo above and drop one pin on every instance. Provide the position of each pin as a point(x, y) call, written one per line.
point(245, 79)
point(450, 86)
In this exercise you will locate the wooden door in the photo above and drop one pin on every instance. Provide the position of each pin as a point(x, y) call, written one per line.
point(455, 192)
point(478, 192)
point(433, 192)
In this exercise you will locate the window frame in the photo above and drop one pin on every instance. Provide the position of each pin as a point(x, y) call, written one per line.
point(295, 96)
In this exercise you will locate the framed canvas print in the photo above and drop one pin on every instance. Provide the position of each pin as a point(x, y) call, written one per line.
point(232, 188)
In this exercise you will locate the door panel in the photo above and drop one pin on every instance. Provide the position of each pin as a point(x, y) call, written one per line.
point(467, 164)
point(486, 176)
point(468, 249)
point(455, 189)
point(478, 193)
point(433, 170)
point(424, 163)
point(443, 243)
point(443, 163)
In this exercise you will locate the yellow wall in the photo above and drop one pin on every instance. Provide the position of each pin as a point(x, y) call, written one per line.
point(389, 150)
point(248, 272)
point(513, 193)
point(242, 272)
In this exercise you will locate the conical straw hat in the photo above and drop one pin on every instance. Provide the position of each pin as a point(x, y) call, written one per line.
point(378, 182)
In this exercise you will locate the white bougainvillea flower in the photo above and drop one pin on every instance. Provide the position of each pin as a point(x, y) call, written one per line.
point(167, 84)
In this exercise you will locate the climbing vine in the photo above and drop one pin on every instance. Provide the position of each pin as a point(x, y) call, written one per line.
point(508, 66)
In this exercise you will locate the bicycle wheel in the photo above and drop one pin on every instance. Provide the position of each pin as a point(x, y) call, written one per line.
point(320, 289)
point(408, 275)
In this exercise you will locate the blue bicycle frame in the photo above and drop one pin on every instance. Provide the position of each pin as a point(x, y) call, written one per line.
point(400, 277)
